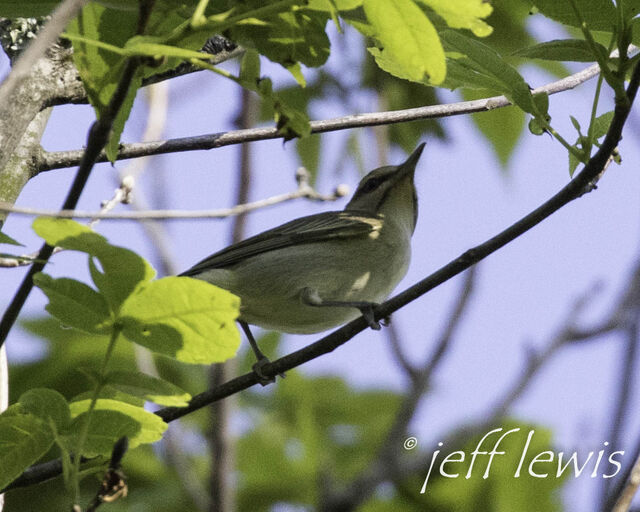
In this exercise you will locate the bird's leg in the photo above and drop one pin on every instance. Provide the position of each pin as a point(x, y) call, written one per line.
point(310, 297)
point(261, 358)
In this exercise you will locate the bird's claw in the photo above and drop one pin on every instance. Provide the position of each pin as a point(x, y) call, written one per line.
point(257, 368)
point(367, 313)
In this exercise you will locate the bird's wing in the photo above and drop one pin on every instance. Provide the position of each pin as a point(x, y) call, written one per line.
point(314, 228)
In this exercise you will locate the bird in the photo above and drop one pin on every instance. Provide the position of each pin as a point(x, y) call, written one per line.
point(320, 271)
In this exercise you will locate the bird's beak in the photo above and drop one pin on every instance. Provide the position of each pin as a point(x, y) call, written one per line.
point(409, 166)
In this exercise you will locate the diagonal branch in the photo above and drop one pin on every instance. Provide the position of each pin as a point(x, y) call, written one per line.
point(61, 159)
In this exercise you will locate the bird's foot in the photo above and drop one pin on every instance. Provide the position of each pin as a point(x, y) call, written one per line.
point(258, 367)
point(367, 312)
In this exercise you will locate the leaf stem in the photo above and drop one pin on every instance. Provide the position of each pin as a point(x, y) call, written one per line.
point(261, 12)
point(594, 110)
point(616, 84)
point(198, 18)
point(84, 431)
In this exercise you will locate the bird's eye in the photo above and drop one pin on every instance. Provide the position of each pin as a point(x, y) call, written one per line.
point(370, 185)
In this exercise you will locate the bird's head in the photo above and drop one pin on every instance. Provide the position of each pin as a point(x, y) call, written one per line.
point(390, 191)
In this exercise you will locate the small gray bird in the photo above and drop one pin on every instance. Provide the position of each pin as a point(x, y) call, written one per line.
point(323, 270)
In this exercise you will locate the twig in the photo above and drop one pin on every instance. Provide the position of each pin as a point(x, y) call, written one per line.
point(626, 381)
point(61, 159)
point(626, 315)
point(303, 190)
point(340, 336)
point(566, 335)
point(98, 137)
point(398, 353)
point(60, 17)
point(121, 195)
point(629, 490)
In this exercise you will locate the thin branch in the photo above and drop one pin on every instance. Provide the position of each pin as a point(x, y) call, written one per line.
point(567, 334)
point(98, 137)
point(624, 492)
point(121, 195)
point(304, 190)
point(398, 353)
point(21, 71)
point(629, 490)
point(626, 383)
point(61, 159)
point(574, 189)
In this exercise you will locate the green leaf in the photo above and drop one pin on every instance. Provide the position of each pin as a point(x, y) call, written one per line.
point(573, 163)
point(296, 73)
point(536, 127)
point(327, 5)
point(569, 50)
point(187, 319)
point(122, 272)
point(250, 67)
point(467, 14)
point(27, 9)
point(111, 420)
point(100, 69)
point(408, 40)
point(486, 61)
point(601, 125)
point(150, 47)
point(461, 74)
point(68, 234)
point(541, 102)
point(308, 150)
point(74, 303)
point(47, 404)
point(290, 121)
point(150, 388)
point(122, 269)
point(6, 239)
point(287, 38)
point(575, 123)
point(24, 438)
point(598, 14)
